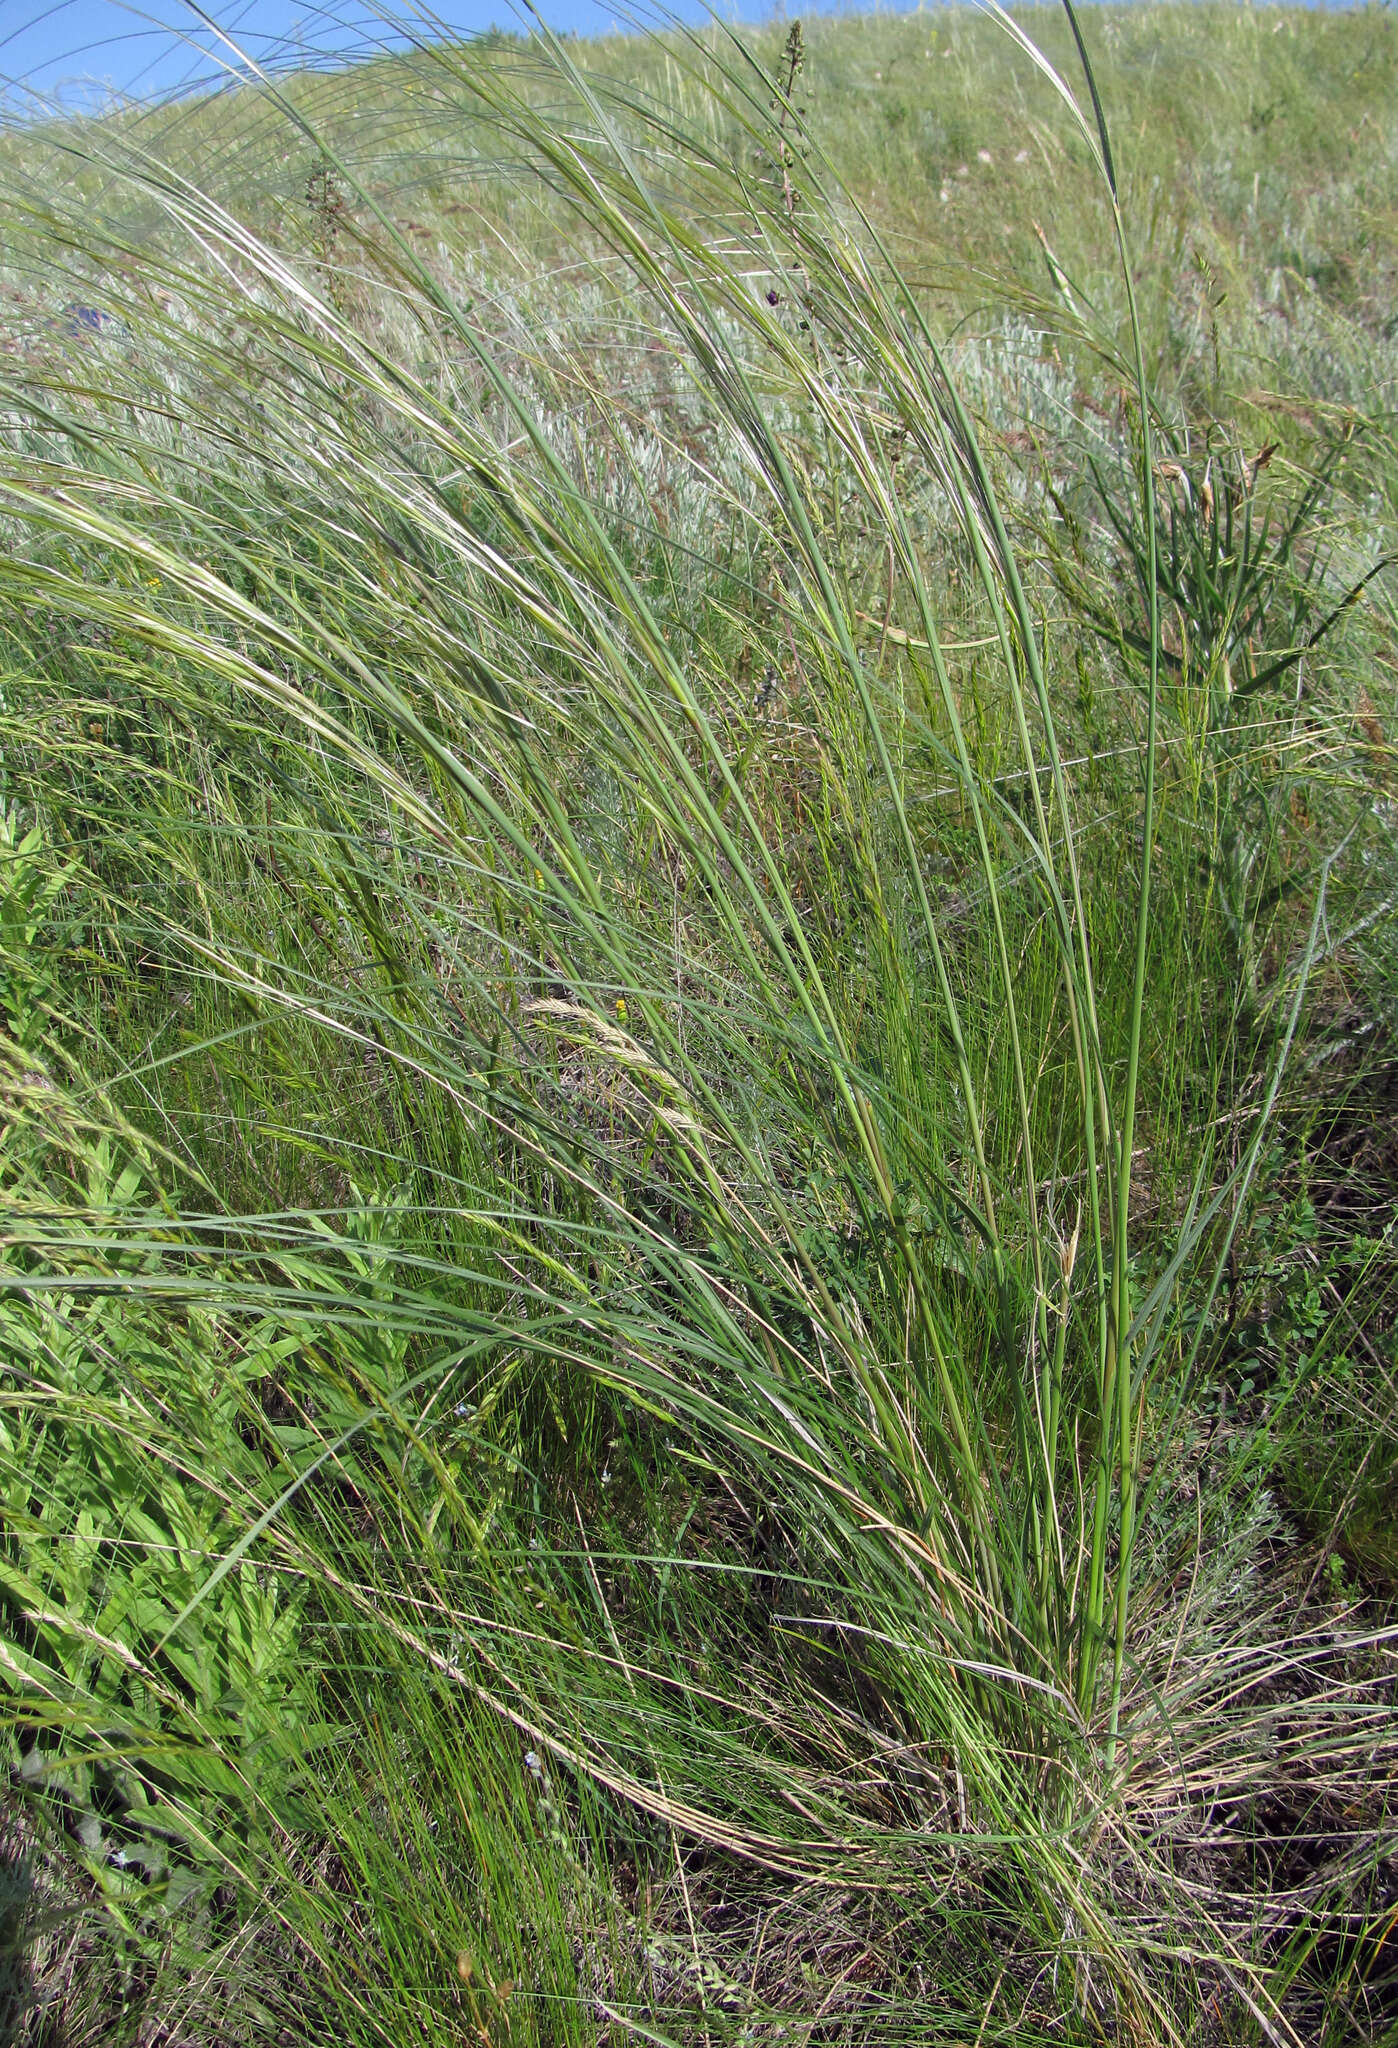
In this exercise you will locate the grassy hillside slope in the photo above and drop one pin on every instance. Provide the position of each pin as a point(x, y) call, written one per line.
point(697, 994)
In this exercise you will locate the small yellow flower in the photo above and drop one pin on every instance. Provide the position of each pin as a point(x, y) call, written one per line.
point(621, 1009)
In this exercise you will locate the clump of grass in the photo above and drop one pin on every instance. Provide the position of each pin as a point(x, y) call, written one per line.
point(616, 1261)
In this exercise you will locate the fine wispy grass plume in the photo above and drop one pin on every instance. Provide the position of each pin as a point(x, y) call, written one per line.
point(674, 1013)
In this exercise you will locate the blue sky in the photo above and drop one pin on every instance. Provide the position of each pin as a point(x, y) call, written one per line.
point(82, 48)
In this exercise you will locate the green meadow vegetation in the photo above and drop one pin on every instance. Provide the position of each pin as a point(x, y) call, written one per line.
point(697, 1031)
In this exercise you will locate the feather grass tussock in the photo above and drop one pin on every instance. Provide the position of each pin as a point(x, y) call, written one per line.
point(662, 1015)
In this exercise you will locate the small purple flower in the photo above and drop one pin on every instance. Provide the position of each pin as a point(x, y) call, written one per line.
point(774, 298)
point(81, 320)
